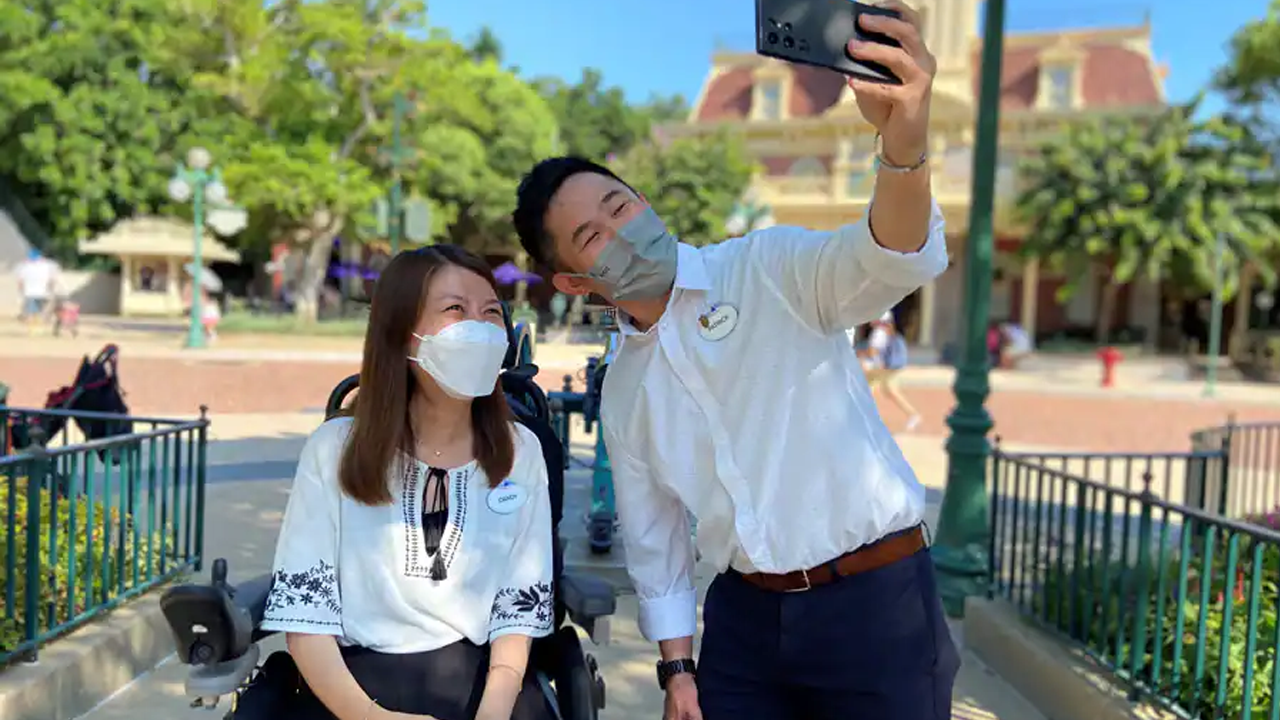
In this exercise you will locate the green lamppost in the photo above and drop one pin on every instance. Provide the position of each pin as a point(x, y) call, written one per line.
point(960, 549)
point(1215, 319)
point(201, 183)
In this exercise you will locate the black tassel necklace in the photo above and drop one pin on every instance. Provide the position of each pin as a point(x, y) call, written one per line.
point(435, 518)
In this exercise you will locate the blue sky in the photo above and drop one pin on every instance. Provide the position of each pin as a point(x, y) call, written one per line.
point(664, 46)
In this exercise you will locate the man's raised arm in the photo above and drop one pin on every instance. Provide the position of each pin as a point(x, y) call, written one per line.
point(836, 280)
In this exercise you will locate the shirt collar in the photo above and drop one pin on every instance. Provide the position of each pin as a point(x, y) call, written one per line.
point(691, 274)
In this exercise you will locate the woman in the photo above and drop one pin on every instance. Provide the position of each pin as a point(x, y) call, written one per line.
point(414, 563)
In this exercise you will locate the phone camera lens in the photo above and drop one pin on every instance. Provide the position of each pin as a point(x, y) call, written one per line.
point(788, 43)
point(772, 38)
point(786, 27)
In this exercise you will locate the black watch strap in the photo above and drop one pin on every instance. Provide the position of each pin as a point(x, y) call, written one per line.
point(668, 669)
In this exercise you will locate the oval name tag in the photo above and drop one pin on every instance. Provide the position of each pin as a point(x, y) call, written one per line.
point(718, 322)
point(506, 498)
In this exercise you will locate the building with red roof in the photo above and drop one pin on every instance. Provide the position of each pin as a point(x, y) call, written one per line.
point(815, 151)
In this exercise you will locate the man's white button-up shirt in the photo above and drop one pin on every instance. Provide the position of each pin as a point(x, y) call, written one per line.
point(769, 434)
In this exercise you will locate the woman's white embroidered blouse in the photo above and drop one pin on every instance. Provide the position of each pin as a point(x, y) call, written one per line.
point(363, 573)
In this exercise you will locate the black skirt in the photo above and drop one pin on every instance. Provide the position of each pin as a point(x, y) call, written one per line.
point(446, 684)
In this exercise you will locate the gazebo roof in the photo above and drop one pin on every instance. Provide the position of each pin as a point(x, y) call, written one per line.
point(157, 237)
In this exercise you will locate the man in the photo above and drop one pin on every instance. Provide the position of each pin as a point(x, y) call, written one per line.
point(734, 396)
point(886, 356)
point(36, 276)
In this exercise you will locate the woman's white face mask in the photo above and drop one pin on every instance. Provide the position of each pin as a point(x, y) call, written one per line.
point(464, 358)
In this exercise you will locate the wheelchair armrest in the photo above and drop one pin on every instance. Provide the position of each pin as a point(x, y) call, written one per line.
point(590, 601)
point(210, 682)
point(251, 597)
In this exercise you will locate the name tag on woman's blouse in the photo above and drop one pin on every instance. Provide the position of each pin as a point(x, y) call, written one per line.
point(506, 498)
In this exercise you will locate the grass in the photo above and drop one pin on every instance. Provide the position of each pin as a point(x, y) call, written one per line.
point(247, 324)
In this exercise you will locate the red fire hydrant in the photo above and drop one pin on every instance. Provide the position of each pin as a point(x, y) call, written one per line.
point(1110, 358)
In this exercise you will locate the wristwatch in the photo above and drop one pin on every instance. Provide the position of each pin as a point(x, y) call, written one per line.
point(670, 668)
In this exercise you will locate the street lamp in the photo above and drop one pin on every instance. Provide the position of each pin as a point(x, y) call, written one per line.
point(960, 549)
point(200, 183)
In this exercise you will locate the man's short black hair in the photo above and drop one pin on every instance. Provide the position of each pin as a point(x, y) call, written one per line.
point(534, 196)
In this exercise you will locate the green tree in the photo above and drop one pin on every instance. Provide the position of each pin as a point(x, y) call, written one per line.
point(693, 183)
point(478, 129)
point(93, 115)
point(595, 121)
point(318, 80)
point(1252, 75)
point(486, 46)
point(1118, 200)
point(665, 109)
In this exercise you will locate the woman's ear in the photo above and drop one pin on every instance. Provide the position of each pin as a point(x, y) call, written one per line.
point(571, 284)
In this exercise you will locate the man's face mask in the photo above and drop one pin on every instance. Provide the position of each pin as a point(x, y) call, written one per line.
point(639, 262)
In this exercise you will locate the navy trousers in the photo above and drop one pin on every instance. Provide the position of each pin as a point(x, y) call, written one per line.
point(872, 646)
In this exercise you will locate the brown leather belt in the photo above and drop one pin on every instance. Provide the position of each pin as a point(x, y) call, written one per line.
point(886, 551)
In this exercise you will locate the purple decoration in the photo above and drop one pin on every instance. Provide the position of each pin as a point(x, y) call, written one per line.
point(508, 274)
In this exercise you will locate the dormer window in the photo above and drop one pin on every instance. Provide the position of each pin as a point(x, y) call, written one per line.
point(1061, 87)
point(769, 96)
point(1060, 65)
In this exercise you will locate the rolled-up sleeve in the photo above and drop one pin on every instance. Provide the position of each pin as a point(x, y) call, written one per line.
point(304, 594)
point(835, 280)
point(524, 604)
point(659, 548)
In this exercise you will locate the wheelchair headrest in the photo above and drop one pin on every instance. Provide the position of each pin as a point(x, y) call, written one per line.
point(512, 355)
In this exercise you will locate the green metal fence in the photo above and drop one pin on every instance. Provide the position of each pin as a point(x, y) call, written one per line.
point(1181, 603)
point(1253, 451)
point(88, 525)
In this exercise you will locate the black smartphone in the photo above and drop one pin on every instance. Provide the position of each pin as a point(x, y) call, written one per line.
point(817, 32)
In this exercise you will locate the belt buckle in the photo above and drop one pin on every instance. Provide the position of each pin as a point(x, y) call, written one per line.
point(807, 585)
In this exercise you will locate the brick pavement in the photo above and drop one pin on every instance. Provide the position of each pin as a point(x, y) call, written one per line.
point(177, 386)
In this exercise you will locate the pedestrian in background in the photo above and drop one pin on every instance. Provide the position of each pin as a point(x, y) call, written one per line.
point(887, 355)
point(36, 276)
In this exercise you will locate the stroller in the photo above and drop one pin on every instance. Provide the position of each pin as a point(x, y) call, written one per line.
point(93, 399)
point(215, 626)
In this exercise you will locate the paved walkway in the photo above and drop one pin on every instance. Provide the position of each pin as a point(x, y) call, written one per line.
point(1054, 402)
point(246, 499)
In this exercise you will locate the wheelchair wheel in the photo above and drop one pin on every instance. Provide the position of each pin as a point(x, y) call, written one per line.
point(579, 690)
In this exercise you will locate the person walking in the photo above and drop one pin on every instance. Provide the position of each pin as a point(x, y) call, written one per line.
point(734, 398)
point(36, 276)
point(887, 355)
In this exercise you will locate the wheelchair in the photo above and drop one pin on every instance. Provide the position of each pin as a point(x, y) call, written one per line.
point(216, 626)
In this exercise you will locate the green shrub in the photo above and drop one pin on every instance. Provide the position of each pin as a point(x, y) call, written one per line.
point(1098, 609)
point(97, 529)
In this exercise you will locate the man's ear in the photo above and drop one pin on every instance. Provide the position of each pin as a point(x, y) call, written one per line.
point(571, 284)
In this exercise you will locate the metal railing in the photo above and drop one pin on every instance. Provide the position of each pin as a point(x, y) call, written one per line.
point(1179, 602)
point(88, 525)
point(1252, 485)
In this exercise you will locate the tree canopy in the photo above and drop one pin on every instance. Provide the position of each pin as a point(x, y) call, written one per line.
point(1148, 197)
point(1251, 76)
point(296, 100)
point(693, 183)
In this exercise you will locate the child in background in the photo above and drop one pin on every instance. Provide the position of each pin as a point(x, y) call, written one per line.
point(66, 314)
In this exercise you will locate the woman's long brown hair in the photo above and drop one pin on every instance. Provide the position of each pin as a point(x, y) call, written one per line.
point(381, 424)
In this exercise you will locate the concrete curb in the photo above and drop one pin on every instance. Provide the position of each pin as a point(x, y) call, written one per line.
point(77, 672)
point(1061, 682)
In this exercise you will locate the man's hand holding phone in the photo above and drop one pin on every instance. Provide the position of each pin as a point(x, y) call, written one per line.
point(899, 112)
